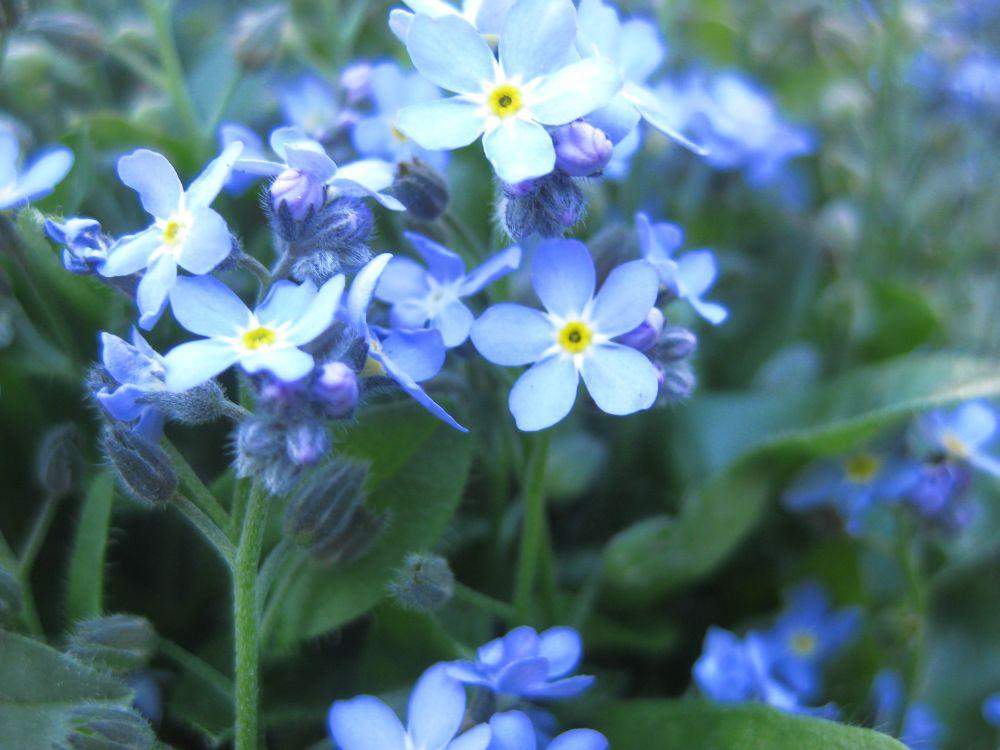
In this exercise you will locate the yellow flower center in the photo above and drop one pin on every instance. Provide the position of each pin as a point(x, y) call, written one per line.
point(398, 135)
point(172, 231)
point(372, 369)
point(955, 445)
point(862, 468)
point(258, 338)
point(506, 101)
point(575, 337)
point(804, 643)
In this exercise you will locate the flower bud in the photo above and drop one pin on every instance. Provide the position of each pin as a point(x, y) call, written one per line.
point(424, 583)
point(117, 643)
point(10, 597)
point(420, 188)
point(337, 386)
point(200, 405)
point(143, 468)
point(103, 727)
point(356, 81)
point(581, 149)
point(57, 462)
point(298, 193)
point(646, 335)
point(257, 36)
point(68, 31)
point(330, 240)
point(546, 208)
point(306, 443)
point(677, 382)
point(261, 452)
point(676, 343)
point(85, 248)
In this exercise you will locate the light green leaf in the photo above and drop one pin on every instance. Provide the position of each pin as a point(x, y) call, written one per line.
point(85, 587)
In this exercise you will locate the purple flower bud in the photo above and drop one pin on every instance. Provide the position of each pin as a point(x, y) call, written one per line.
point(677, 383)
point(299, 192)
point(306, 444)
point(645, 335)
point(85, 249)
point(338, 387)
point(676, 343)
point(581, 149)
point(520, 189)
point(356, 81)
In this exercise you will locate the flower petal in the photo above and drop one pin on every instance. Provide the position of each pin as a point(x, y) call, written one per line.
point(131, 253)
point(620, 379)
point(618, 119)
point(975, 423)
point(365, 723)
point(509, 334)
point(512, 730)
point(152, 176)
point(442, 124)
point(416, 392)
point(320, 314)
point(287, 365)
point(580, 739)
point(195, 362)
point(641, 49)
point(477, 738)
point(207, 244)
point(563, 648)
point(544, 394)
point(363, 289)
point(575, 91)
point(652, 112)
point(599, 29)
point(154, 287)
point(420, 354)
point(450, 53)
point(696, 272)
point(287, 301)
point(626, 298)
point(563, 276)
point(42, 175)
point(454, 323)
point(567, 688)
point(207, 185)
point(490, 15)
point(713, 312)
point(536, 37)
point(403, 279)
point(207, 307)
point(444, 265)
point(490, 270)
point(519, 150)
point(436, 708)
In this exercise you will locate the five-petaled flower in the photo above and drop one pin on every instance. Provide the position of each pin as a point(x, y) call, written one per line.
point(574, 337)
point(963, 434)
point(513, 730)
point(37, 180)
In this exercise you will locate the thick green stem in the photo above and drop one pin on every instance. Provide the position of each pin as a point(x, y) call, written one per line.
point(196, 667)
point(533, 529)
point(208, 529)
point(246, 622)
point(202, 497)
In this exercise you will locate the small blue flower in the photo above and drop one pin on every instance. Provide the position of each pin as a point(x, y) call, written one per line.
point(85, 247)
point(253, 148)
point(310, 104)
point(185, 232)
point(487, 16)
point(513, 730)
point(991, 710)
point(938, 494)
point(962, 434)
point(976, 80)
point(139, 371)
point(922, 730)
point(573, 338)
point(37, 180)
point(435, 714)
point(919, 729)
point(267, 339)
point(888, 696)
point(527, 664)
point(434, 295)
point(407, 357)
point(689, 277)
point(507, 101)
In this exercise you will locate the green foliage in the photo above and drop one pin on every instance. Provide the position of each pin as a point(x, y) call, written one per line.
point(85, 585)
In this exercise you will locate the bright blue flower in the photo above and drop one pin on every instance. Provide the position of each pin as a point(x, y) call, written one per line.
point(407, 357)
point(922, 730)
point(573, 338)
point(185, 231)
point(85, 247)
point(507, 102)
point(991, 710)
point(376, 135)
point(434, 716)
point(310, 104)
point(253, 148)
point(420, 296)
point(976, 80)
point(267, 339)
point(528, 664)
point(37, 180)
point(938, 494)
point(139, 371)
point(962, 434)
point(689, 277)
point(513, 730)
point(487, 16)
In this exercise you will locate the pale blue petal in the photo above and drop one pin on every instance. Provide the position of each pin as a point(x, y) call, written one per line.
point(477, 738)
point(454, 323)
point(403, 279)
point(985, 462)
point(400, 22)
point(696, 272)
point(509, 334)
point(125, 404)
point(263, 167)
point(490, 16)
point(560, 689)
point(363, 289)
point(444, 265)
point(130, 254)
point(310, 158)
point(641, 49)
point(580, 739)
point(544, 394)
point(155, 285)
point(436, 708)
point(490, 270)
point(286, 301)
point(372, 136)
point(280, 137)
point(713, 312)
point(207, 244)
point(416, 392)
point(195, 362)
point(287, 365)
point(536, 37)
point(520, 150)
point(975, 423)
point(207, 185)
point(599, 30)
point(365, 723)
point(320, 314)
point(410, 313)
point(620, 379)
point(442, 124)
point(450, 53)
point(420, 354)
point(207, 307)
point(152, 176)
point(574, 91)
point(626, 298)
point(617, 119)
point(512, 730)
point(432, 8)
point(653, 112)
point(123, 361)
point(366, 179)
point(563, 648)
point(42, 175)
point(563, 276)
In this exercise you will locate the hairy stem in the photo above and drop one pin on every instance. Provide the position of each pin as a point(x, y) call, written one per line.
point(202, 497)
point(534, 527)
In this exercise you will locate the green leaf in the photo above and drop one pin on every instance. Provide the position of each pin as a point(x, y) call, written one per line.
point(38, 686)
point(690, 724)
point(419, 469)
point(85, 588)
point(749, 441)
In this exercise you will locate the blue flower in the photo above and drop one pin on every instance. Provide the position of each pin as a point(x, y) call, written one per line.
point(85, 247)
point(922, 730)
point(266, 339)
point(253, 148)
point(376, 135)
point(991, 710)
point(487, 16)
point(573, 338)
point(435, 714)
point(962, 434)
point(689, 277)
point(407, 357)
point(976, 80)
point(434, 295)
point(507, 102)
point(636, 50)
point(513, 730)
point(139, 371)
point(310, 104)
point(527, 664)
point(888, 697)
point(938, 492)
point(37, 180)
point(185, 232)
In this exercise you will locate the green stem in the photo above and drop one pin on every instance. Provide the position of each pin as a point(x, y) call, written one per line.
point(279, 590)
point(246, 623)
point(159, 12)
point(203, 498)
point(533, 529)
point(29, 613)
point(484, 603)
point(910, 557)
point(473, 247)
point(196, 667)
point(39, 530)
point(258, 269)
point(207, 527)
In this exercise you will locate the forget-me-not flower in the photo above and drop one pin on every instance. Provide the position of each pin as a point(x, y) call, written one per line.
point(918, 727)
point(310, 104)
point(139, 371)
point(253, 148)
point(507, 101)
point(991, 710)
point(486, 16)
point(85, 247)
point(37, 179)
point(963, 434)
point(435, 714)
point(267, 339)
point(573, 338)
point(185, 231)
point(513, 730)
point(528, 664)
point(406, 357)
point(420, 296)
point(688, 277)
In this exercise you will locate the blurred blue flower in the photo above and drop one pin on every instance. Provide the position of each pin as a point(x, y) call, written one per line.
point(139, 371)
point(513, 730)
point(406, 357)
point(991, 710)
point(310, 104)
point(962, 434)
point(434, 295)
point(918, 728)
point(435, 714)
point(507, 102)
point(185, 231)
point(356, 81)
point(487, 16)
point(376, 135)
point(888, 697)
point(85, 248)
point(689, 277)
point(266, 339)
point(253, 148)
point(38, 178)
point(976, 81)
point(528, 664)
point(938, 493)
point(922, 730)
point(573, 338)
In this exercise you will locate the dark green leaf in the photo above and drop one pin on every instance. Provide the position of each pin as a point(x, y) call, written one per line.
point(85, 588)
